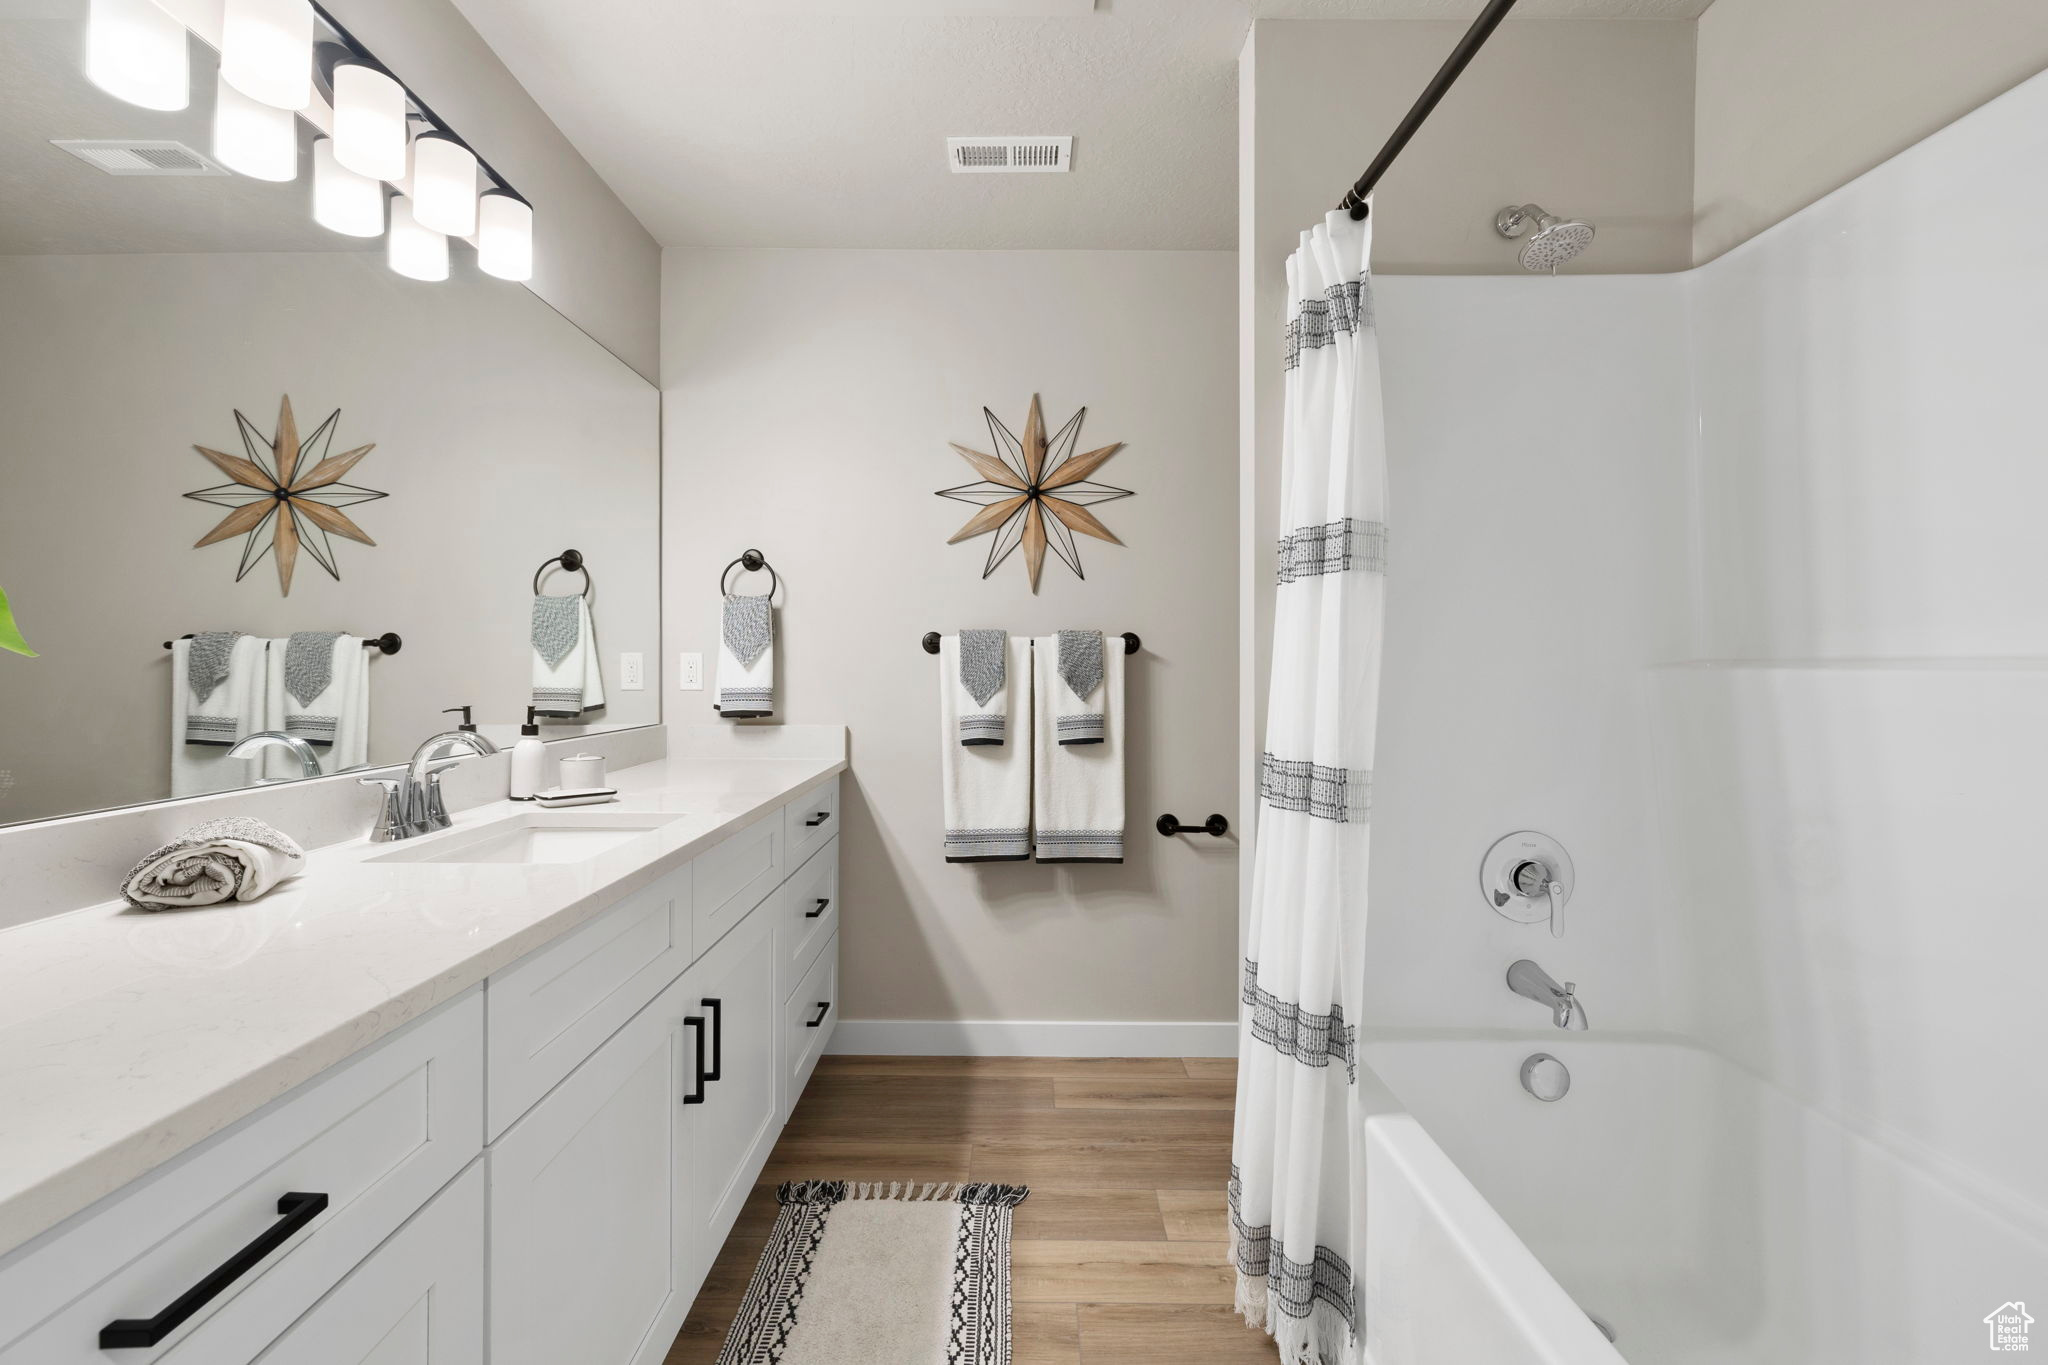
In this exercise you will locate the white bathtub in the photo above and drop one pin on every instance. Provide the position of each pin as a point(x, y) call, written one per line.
point(1701, 1213)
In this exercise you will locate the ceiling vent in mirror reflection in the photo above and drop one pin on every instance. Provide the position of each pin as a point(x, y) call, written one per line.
point(980, 155)
point(131, 156)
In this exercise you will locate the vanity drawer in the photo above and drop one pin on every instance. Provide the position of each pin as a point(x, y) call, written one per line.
point(806, 914)
point(551, 1009)
point(811, 819)
point(809, 1016)
point(734, 877)
point(377, 1135)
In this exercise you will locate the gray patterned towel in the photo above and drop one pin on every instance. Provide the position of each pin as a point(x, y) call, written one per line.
point(221, 699)
point(1080, 719)
point(237, 858)
point(984, 685)
point(746, 659)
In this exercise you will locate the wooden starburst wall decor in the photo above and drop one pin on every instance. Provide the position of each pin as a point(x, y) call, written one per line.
point(1036, 494)
point(286, 495)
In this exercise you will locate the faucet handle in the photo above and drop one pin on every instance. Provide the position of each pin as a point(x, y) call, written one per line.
point(391, 819)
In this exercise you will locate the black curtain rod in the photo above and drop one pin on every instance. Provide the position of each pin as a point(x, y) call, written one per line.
point(1439, 85)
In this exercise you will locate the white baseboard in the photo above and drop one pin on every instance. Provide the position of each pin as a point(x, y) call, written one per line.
point(1030, 1038)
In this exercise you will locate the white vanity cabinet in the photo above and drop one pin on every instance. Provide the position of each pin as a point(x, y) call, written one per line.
point(538, 1172)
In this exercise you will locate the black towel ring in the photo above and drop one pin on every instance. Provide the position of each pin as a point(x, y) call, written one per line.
point(572, 560)
point(752, 561)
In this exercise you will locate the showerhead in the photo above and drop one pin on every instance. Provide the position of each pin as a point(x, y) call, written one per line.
point(1556, 240)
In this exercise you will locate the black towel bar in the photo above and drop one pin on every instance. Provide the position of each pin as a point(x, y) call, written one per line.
point(1170, 825)
point(1131, 642)
point(387, 643)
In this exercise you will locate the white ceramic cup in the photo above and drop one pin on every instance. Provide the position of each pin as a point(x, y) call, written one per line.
point(578, 771)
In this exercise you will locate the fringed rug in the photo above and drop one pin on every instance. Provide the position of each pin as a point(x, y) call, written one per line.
point(881, 1275)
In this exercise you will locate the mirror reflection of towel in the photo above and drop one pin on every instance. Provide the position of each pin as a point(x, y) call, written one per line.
point(567, 678)
point(318, 690)
point(217, 689)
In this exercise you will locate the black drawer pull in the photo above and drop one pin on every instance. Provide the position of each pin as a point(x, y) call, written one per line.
point(295, 1210)
point(820, 818)
point(717, 1008)
point(823, 1006)
point(823, 901)
point(697, 1096)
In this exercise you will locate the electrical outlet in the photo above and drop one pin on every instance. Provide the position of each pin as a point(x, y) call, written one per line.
point(690, 672)
point(632, 668)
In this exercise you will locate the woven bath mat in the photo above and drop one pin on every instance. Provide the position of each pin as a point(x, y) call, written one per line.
point(881, 1275)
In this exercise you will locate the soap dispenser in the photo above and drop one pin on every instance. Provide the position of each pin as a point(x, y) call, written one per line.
point(527, 756)
point(467, 725)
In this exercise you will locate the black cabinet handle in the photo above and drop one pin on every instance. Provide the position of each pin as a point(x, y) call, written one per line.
point(295, 1210)
point(697, 1097)
point(717, 1008)
point(823, 901)
point(820, 818)
point(823, 1005)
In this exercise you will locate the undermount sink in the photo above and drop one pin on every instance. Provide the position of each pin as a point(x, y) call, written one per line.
point(533, 837)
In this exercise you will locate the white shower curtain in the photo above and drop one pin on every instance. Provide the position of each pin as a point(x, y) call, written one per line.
point(1296, 1182)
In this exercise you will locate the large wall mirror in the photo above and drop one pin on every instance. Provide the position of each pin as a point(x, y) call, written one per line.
point(152, 304)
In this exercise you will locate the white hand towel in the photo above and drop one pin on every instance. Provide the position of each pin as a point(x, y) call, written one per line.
point(567, 679)
point(986, 788)
point(217, 689)
point(236, 858)
point(746, 658)
point(319, 690)
point(1077, 791)
point(1078, 702)
point(983, 682)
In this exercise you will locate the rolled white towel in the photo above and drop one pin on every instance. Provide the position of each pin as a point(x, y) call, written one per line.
point(236, 858)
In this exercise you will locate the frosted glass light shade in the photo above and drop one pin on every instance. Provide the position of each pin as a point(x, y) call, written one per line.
point(369, 122)
point(343, 201)
point(444, 185)
point(258, 140)
point(266, 51)
point(504, 236)
point(136, 52)
point(415, 252)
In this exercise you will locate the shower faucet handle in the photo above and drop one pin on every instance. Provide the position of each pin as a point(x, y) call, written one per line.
point(1555, 890)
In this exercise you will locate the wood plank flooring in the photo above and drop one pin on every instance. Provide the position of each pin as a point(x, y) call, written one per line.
point(1121, 1250)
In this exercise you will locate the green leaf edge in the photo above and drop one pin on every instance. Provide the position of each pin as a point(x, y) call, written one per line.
point(10, 633)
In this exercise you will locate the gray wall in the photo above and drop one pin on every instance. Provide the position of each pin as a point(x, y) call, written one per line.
point(503, 435)
point(592, 259)
point(809, 399)
point(1799, 97)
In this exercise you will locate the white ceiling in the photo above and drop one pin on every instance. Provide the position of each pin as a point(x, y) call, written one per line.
point(822, 122)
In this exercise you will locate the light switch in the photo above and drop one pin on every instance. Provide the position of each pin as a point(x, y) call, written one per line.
point(690, 672)
point(632, 670)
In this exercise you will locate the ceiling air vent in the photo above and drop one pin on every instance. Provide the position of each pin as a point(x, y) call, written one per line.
point(976, 155)
point(129, 156)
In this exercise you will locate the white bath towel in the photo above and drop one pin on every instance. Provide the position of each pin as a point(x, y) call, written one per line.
point(318, 688)
point(986, 788)
point(237, 858)
point(1077, 790)
point(567, 676)
point(983, 683)
point(217, 684)
point(1077, 701)
point(746, 658)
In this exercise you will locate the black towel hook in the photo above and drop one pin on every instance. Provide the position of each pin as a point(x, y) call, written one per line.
point(572, 560)
point(753, 561)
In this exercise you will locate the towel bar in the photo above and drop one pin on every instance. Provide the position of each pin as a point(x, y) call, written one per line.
point(1170, 825)
point(1131, 642)
point(388, 642)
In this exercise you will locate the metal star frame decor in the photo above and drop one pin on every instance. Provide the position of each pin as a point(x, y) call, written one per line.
point(1036, 494)
point(287, 494)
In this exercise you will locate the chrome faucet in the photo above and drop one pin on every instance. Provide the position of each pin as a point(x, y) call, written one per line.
point(1525, 978)
point(412, 803)
point(248, 746)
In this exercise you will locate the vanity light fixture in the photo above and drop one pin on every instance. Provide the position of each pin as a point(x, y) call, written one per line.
point(136, 52)
point(444, 184)
point(416, 252)
point(369, 121)
point(343, 201)
point(504, 236)
point(257, 139)
point(266, 51)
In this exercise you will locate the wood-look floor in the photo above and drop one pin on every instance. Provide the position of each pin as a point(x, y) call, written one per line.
point(1121, 1250)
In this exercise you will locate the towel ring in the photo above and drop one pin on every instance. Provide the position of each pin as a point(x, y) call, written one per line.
point(571, 560)
point(752, 561)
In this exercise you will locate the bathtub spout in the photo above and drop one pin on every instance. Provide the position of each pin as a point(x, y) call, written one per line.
point(1527, 979)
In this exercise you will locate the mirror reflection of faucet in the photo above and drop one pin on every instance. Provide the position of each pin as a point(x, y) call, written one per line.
point(1527, 979)
point(1527, 877)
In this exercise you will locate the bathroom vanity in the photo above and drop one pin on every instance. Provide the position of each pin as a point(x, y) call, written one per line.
point(416, 1109)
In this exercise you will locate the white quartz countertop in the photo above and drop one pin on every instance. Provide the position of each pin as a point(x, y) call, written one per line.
point(128, 1036)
